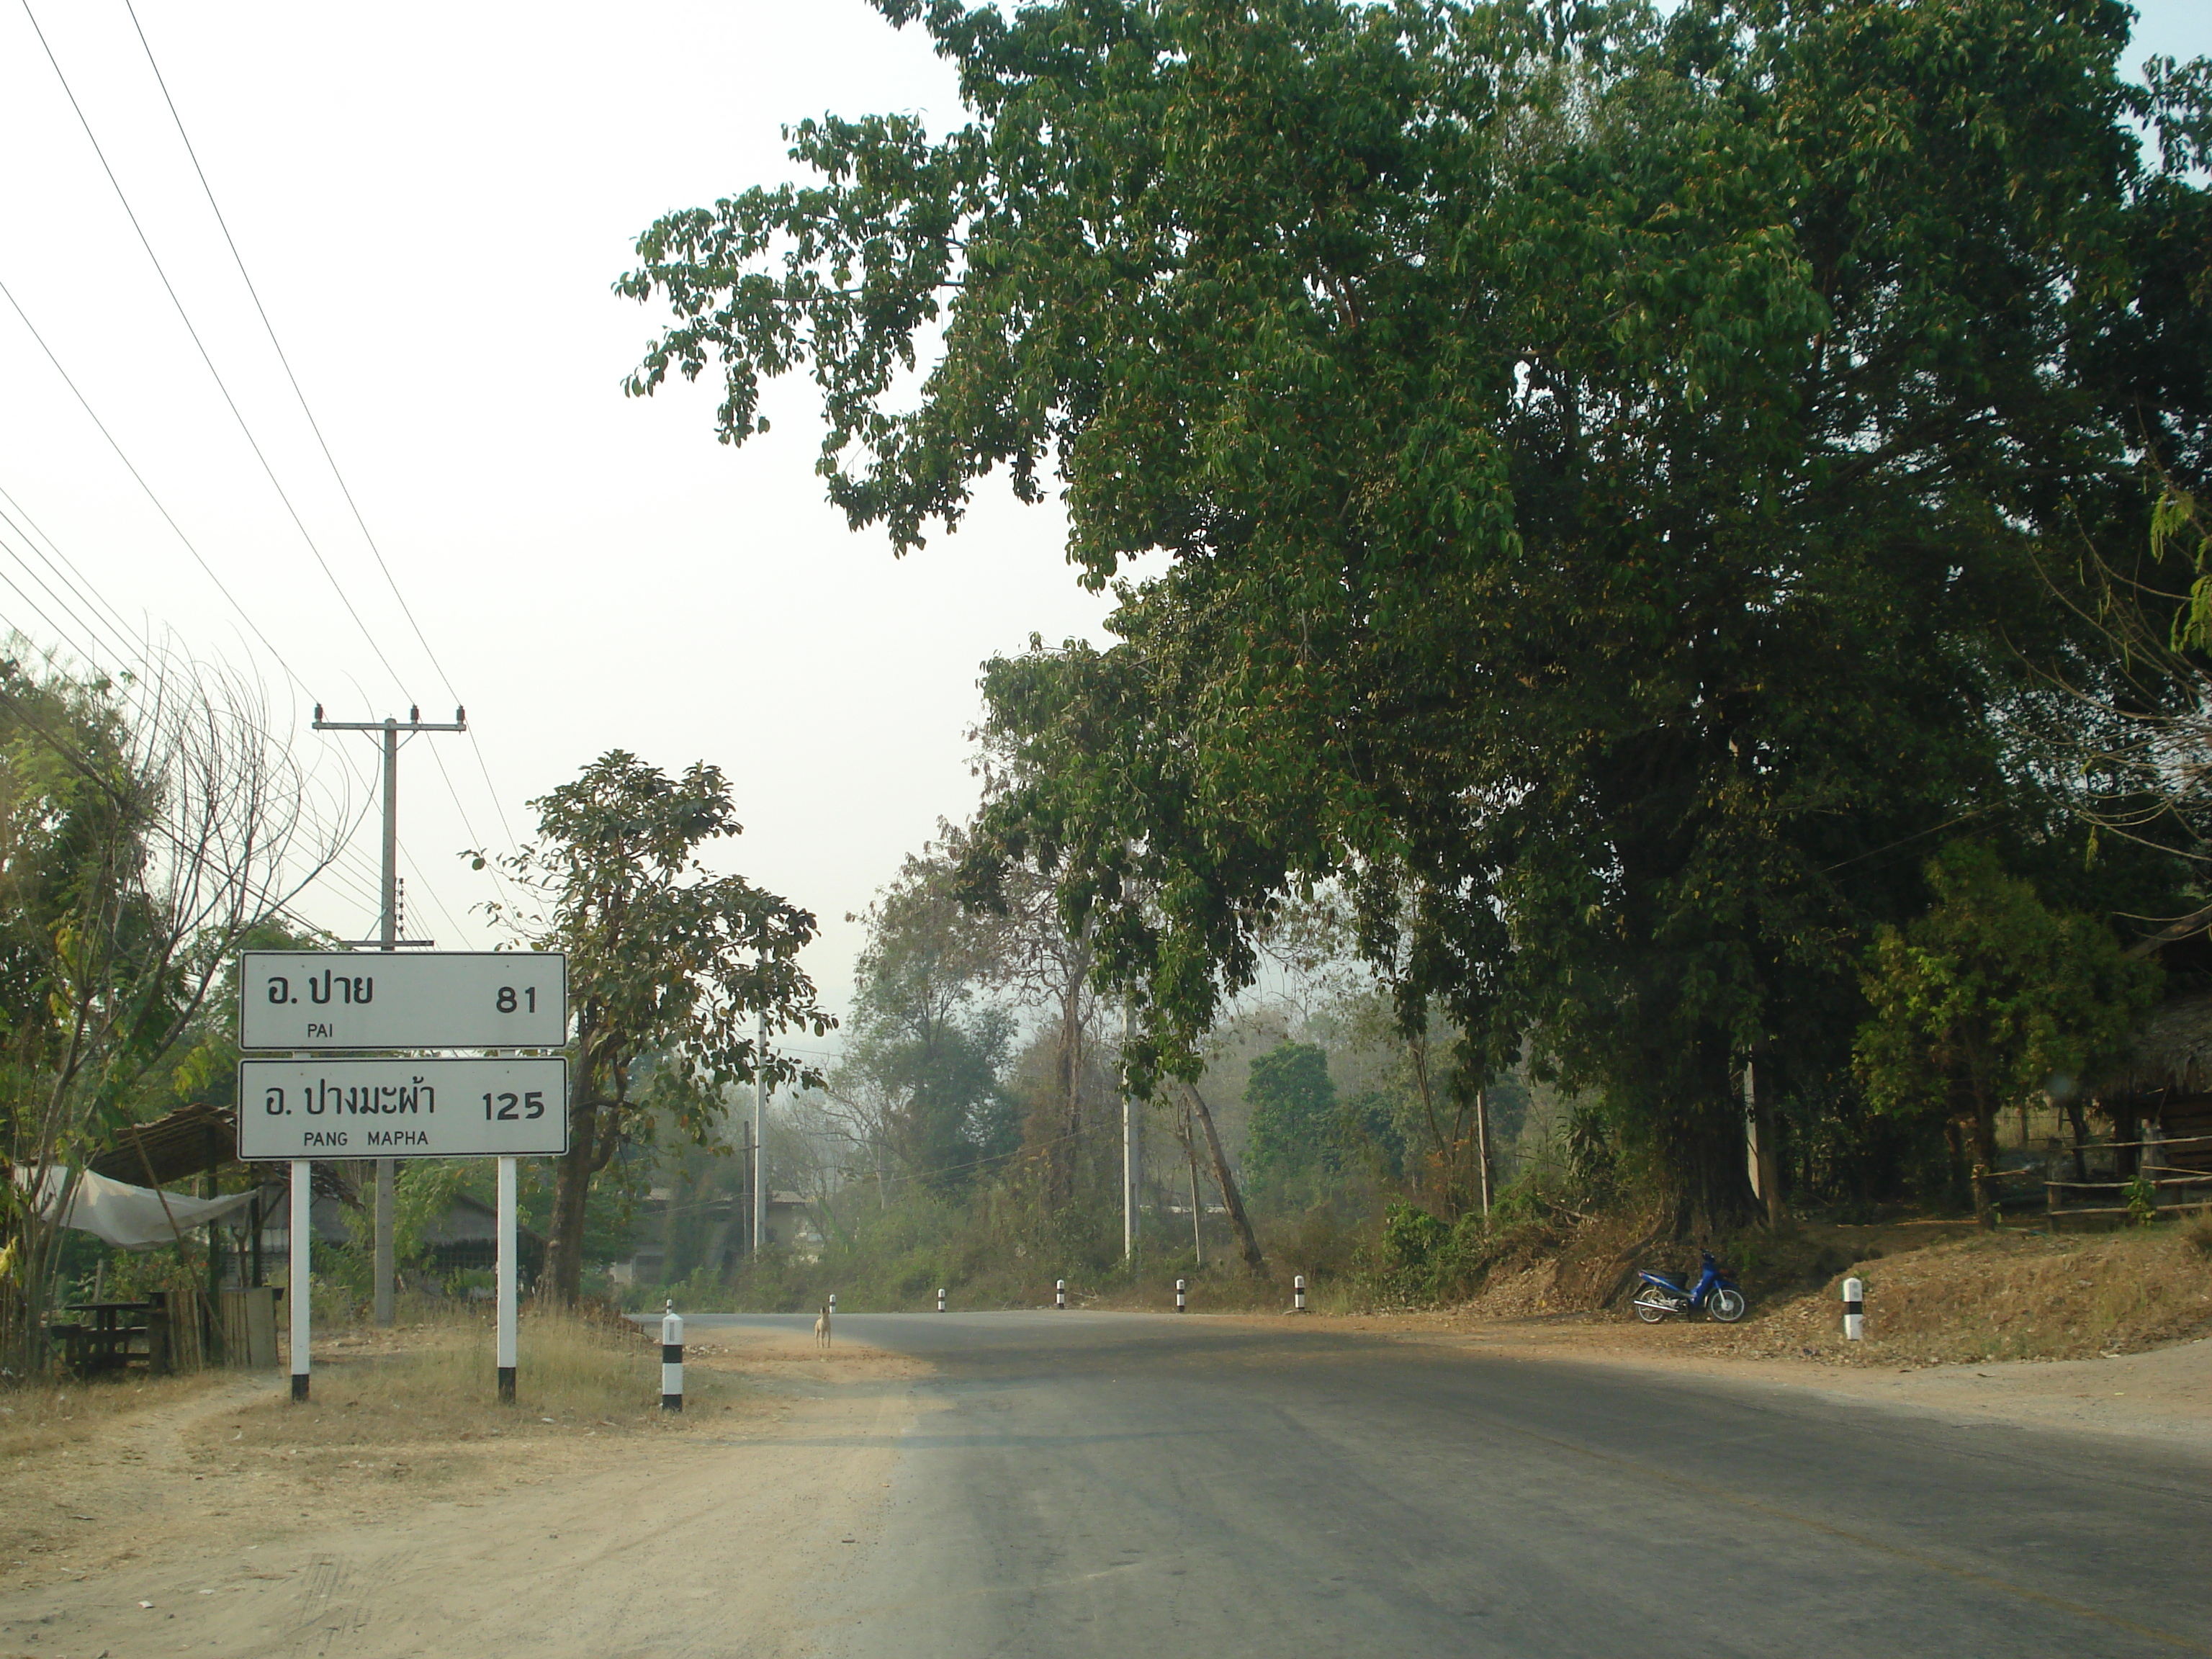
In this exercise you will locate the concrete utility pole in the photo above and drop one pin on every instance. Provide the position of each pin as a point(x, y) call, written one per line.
point(760, 1131)
point(388, 939)
point(1129, 1159)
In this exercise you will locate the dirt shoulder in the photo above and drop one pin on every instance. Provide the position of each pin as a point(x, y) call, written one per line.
point(2105, 1334)
point(2165, 1395)
point(220, 1518)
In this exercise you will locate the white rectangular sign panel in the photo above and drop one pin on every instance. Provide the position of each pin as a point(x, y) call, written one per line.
point(322, 999)
point(402, 1108)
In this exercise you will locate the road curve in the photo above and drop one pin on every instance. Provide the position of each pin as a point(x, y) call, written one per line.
point(1138, 1486)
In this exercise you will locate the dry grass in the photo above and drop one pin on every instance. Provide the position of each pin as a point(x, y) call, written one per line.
point(2198, 1235)
point(2023, 1296)
point(430, 1381)
point(2008, 1295)
point(40, 1416)
point(435, 1381)
point(1935, 1293)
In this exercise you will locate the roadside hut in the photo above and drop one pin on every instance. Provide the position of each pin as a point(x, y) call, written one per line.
point(192, 1141)
point(2160, 1091)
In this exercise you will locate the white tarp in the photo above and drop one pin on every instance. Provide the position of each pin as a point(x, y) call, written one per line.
point(129, 1217)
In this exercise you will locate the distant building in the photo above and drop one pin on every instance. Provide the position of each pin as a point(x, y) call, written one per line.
point(464, 1238)
point(720, 1245)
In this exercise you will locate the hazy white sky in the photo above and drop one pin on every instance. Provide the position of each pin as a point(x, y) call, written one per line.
point(431, 201)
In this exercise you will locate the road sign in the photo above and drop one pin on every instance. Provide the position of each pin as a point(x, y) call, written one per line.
point(325, 999)
point(402, 1107)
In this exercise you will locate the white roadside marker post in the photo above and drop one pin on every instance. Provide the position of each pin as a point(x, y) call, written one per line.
point(1060, 1293)
point(507, 1267)
point(1854, 1311)
point(940, 1298)
point(1299, 1293)
point(1180, 1307)
point(296, 1292)
point(671, 1360)
point(833, 1304)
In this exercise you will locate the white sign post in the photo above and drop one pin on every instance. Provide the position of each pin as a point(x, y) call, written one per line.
point(504, 1359)
point(295, 1294)
point(322, 1000)
point(325, 1101)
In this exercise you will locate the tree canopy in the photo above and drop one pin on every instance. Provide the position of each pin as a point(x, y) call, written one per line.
point(672, 967)
point(1991, 999)
point(147, 827)
point(1293, 1129)
point(1610, 465)
point(926, 1050)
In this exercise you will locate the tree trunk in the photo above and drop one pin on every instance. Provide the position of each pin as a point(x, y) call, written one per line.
point(1227, 1183)
point(1197, 1210)
point(1069, 1062)
point(1765, 1149)
point(1703, 1136)
point(1985, 1162)
point(2081, 1139)
point(572, 1184)
point(1188, 1139)
point(1482, 1145)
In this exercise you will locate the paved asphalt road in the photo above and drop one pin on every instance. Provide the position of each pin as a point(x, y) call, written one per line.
point(1145, 1486)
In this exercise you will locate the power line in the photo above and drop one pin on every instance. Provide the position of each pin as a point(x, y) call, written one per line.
point(334, 869)
point(200, 345)
point(139, 478)
point(32, 606)
point(315, 427)
point(244, 426)
point(416, 865)
point(139, 655)
point(137, 658)
point(68, 574)
point(270, 328)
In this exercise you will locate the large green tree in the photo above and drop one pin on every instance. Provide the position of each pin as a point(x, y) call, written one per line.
point(1987, 1000)
point(1293, 1130)
point(675, 971)
point(922, 1068)
point(1603, 460)
point(147, 828)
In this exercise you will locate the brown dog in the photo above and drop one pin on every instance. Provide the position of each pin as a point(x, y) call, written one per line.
point(822, 1330)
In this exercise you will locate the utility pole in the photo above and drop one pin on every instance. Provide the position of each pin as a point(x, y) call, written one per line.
point(1129, 1160)
point(388, 939)
point(760, 1130)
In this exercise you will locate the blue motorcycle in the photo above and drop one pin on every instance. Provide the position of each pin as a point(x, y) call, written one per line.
point(1714, 1292)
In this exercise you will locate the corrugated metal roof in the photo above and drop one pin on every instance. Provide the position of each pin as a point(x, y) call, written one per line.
point(191, 1140)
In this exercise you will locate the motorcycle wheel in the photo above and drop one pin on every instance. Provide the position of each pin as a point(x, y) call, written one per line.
point(1651, 1307)
point(1725, 1304)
